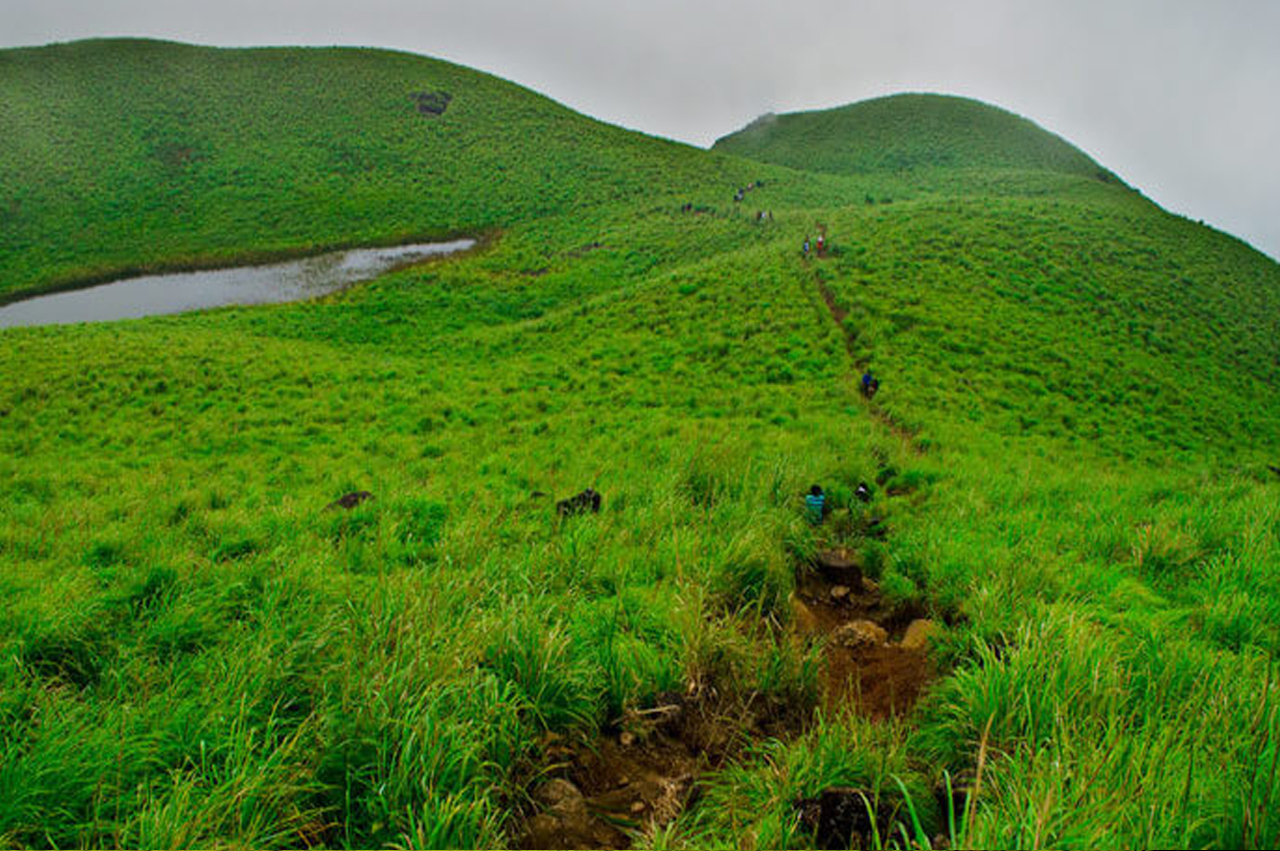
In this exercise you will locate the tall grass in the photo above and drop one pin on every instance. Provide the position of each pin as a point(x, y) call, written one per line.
point(195, 652)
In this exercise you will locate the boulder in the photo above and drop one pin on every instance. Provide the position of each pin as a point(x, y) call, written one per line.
point(561, 797)
point(838, 568)
point(918, 634)
point(432, 103)
point(860, 633)
point(839, 817)
point(350, 500)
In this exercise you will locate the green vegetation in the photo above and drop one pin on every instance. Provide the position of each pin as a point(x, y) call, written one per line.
point(145, 155)
point(910, 131)
point(1079, 399)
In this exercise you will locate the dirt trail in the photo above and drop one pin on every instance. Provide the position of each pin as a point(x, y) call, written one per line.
point(875, 653)
point(838, 314)
point(641, 773)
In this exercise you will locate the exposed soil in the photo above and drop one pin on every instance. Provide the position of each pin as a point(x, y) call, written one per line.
point(876, 656)
point(638, 776)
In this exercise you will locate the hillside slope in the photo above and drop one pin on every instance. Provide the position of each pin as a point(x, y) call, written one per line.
point(199, 646)
point(907, 131)
point(126, 154)
point(1020, 286)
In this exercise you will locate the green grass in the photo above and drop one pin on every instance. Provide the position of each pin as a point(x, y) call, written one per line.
point(906, 132)
point(194, 652)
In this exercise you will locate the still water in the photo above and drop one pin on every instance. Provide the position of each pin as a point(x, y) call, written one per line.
point(154, 295)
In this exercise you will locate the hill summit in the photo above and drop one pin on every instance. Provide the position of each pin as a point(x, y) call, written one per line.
point(908, 131)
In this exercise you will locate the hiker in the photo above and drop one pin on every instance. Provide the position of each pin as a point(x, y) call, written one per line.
point(806, 246)
point(822, 243)
point(863, 493)
point(870, 384)
point(815, 505)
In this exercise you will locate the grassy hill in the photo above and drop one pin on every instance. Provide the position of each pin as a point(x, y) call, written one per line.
point(1025, 288)
point(905, 132)
point(1067, 459)
point(130, 155)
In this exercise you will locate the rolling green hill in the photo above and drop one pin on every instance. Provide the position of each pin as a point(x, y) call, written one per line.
point(904, 132)
point(127, 155)
point(1067, 458)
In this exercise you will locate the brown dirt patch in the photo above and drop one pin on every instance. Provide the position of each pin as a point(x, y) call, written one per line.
point(633, 778)
point(605, 791)
point(881, 681)
point(878, 679)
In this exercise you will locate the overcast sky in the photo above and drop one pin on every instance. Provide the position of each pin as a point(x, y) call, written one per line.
point(1180, 97)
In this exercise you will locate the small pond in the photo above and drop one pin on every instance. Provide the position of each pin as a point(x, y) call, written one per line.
point(153, 295)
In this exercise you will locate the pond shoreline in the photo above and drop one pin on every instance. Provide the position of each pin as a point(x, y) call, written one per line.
point(215, 263)
point(186, 289)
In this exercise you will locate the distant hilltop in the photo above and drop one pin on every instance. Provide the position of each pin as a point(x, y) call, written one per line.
point(908, 131)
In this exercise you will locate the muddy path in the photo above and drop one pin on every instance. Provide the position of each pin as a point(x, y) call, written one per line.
point(875, 653)
point(639, 773)
point(636, 775)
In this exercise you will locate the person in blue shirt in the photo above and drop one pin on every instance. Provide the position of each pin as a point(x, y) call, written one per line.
point(815, 505)
point(870, 384)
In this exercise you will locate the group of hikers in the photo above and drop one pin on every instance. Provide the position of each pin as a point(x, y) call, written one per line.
point(820, 245)
point(817, 508)
point(870, 384)
point(743, 190)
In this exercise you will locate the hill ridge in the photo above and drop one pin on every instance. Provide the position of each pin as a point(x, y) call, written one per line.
point(906, 131)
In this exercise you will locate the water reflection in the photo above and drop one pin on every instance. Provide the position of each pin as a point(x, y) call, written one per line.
point(154, 295)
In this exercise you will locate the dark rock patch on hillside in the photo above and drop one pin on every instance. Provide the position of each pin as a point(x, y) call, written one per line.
point(350, 500)
point(431, 104)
